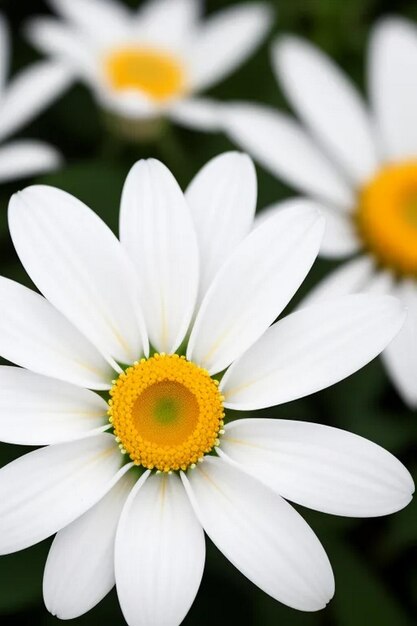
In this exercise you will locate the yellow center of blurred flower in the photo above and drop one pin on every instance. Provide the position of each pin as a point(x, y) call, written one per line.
point(387, 217)
point(166, 412)
point(156, 73)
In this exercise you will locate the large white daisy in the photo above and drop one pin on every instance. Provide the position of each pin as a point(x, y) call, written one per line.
point(20, 101)
point(360, 165)
point(150, 63)
point(173, 326)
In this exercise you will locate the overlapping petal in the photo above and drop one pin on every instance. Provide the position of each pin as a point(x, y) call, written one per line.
point(222, 199)
point(284, 148)
point(79, 265)
point(160, 553)
point(157, 231)
point(37, 410)
point(312, 349)
point(45, 342)
point(329, 103)
point(254, 285)
point(261, 534)
point(79, 570)
point(324, 468)
point(43, 491)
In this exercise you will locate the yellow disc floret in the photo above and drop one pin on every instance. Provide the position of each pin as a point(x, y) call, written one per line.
point(154, 72)
point(387, 217)
point(166, 412)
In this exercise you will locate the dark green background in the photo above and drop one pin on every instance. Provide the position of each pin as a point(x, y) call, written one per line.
point(375, 561)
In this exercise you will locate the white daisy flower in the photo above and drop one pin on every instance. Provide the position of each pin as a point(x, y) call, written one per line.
point(359, 165)
point(150, 63)
point(195, 281)
point(20, 101)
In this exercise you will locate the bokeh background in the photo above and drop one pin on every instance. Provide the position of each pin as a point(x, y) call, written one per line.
point(375, 561)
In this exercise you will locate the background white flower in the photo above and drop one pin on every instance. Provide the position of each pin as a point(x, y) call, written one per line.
point(151, 62)
point(21, 100)
point(360, 167)
point(145, 532)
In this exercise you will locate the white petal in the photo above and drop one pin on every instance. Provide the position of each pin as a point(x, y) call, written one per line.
point(254, 285)
point(400, 356)
point(43, 491)
point(160, 553)
point(312, 349)
point(36, 410)
point(167, 22)
point(79, 265)
point(324, 468)
point(4, 51)
point(31, 91)
point(129, 103)
point(351, 277)
point(26, 158)
point(79, 570)
point(35, 335)
point(157, 231)
point(226, 40)
point(340, 238)
point(102, 21)
point(329, 103)
point(261, 534)
point(222, 198)
point(57, 39)
point(392, 63)
point(196, 113)
point(283, 147)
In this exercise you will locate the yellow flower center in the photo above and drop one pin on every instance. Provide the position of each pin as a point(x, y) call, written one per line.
point(387, 217)
point(156, 73)
point(166, 412)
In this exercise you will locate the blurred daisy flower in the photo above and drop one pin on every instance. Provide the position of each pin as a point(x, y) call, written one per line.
point(148, 64)
point(20, 101)
point(173, 326)
point(360, 166)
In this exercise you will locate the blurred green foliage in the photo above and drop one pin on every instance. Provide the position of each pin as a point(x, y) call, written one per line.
point(375, 561)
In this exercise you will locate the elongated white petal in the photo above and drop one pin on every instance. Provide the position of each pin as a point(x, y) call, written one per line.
point(312, 349)
point(35, 335)
point(254, 285)
point(170, 23)
point(226, 40)
point(36, 410)
point(282, 146)
point(400, 356)
point(392, 61)
point(329, 103)
point(222, 198)
point(261, 534)
point(157, 231)
point(26, 158)
point(30, 92)
point(103, 21)
point(324, 468)
point(340, 238)
point(64, 44)
point(196, 113)
point(79, 265)
point(4, 51)
point(79, 570)
point(160, 553)
point(43, 491)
